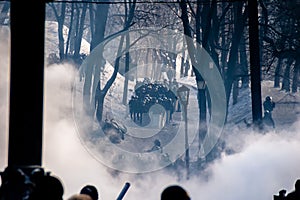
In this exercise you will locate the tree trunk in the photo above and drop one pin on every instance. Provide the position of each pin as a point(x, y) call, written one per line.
point(201, 95)
point(127, 63)
point(60, 20)
point(244, 63)
point(97, 38)
point(277, 72)
point(4, 12)
point(182, 65)
point(235, 92)
point(296, 75)
point(255, 64)
point(239, 24)
point(128, 18)
point(100, 24)
point(79, 34)
point(100, 98)
point(286, 83)
point(70, 30)
point(61, 42)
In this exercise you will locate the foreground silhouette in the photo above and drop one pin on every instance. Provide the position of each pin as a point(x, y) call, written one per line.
point(294, 195)
point(88, 192)
point(174, 192)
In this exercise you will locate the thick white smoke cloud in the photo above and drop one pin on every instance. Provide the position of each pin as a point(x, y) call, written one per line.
point(266, 164)
point(263, 165)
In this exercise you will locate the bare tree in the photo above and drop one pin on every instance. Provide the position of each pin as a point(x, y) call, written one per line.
point(281, 43)
point(4, 12)
point(101, 93)
point(98, 18)
point(60, 17)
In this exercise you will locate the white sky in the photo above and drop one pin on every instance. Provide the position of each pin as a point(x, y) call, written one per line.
point(264, 165)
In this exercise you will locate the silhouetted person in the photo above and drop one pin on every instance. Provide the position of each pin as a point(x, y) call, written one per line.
point(281, 195)
point(295, 195)
point(80, 197)
point(269, 105)
point(91, 191)
point(48, 188)
point(35, 185)
point(174, 192)
point(156, 146)
point(178, 166)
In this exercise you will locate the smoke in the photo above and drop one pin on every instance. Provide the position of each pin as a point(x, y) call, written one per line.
point(65, 155)
point(265, 164)
point(262, 165)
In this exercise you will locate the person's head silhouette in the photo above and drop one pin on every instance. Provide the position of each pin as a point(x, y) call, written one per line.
point(91, 191)
point(174, 192)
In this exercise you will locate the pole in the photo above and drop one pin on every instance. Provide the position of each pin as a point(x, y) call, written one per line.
point(255, 63)
point(26, 82)
point(26, 98)
point(124, 190)
point(187, 156)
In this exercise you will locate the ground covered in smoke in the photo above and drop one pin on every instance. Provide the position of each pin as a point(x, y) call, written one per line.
point(260, 166)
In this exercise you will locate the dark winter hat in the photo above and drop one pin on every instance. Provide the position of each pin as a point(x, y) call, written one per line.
point(174, 192)
point(91, 191)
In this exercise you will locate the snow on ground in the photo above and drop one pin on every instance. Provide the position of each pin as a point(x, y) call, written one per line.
point(51, 39)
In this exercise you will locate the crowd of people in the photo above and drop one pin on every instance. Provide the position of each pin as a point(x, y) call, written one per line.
point(40, 185)
point(147, 94)
point(35, 184)
point(171, 192)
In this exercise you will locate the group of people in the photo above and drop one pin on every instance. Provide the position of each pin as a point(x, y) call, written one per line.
point(172, 192)
point(16, 184)
point(147, 94)
point(177, 192)
point(33, 183)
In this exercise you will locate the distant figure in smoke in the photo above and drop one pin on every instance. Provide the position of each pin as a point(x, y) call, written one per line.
point(295, 195)
point(269, 105)
point(156, 146)
point(178, 167)
point(174, 192)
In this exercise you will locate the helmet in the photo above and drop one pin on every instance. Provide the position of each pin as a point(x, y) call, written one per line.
point(268, 98)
